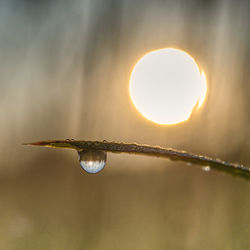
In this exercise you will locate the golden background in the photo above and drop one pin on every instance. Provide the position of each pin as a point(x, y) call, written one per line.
point(64, 73)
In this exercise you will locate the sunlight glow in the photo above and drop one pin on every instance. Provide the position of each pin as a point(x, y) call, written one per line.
point(166, 85)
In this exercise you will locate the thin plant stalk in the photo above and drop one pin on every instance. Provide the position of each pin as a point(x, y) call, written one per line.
point(133, 148)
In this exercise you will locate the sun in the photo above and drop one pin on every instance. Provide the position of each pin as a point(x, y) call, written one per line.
point(166, 85)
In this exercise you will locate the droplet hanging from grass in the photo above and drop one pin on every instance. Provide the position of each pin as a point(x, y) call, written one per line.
point(206, 168)
point(92, 155)
point(92, 161)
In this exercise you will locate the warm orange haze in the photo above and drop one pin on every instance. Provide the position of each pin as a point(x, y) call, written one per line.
point(166, 85)
point(167, 73)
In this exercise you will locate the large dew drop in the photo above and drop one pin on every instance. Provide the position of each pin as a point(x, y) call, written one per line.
point(92, 161)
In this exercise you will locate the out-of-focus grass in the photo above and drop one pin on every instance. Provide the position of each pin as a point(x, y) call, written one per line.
point(56, 206)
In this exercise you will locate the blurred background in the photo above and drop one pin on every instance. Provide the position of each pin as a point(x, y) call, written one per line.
point(64, 73)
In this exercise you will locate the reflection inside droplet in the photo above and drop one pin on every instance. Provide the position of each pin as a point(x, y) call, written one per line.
point(92, 161)
point(206, 168)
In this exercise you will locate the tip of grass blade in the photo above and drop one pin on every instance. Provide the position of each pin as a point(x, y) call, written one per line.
point(53, 144)
point(40, 143)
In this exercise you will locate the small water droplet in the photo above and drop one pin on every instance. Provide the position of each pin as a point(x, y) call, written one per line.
point(69, 140)
point(92, 161)
point(206, 168)
point(189, 164)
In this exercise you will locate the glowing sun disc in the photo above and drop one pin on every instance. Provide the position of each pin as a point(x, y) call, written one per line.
point(166, 85)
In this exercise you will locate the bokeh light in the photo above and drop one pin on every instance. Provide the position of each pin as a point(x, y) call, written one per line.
point(166, 85)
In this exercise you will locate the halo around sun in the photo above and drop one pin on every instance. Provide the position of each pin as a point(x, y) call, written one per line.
point(166, 85)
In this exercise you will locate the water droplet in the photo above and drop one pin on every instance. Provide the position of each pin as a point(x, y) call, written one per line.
point(189, 164)
point(206, 168)
point(92, 161)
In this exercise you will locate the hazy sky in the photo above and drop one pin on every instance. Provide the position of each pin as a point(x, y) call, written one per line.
point(64, 73)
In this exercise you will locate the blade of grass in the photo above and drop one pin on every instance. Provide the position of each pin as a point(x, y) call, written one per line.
point(172, 154)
